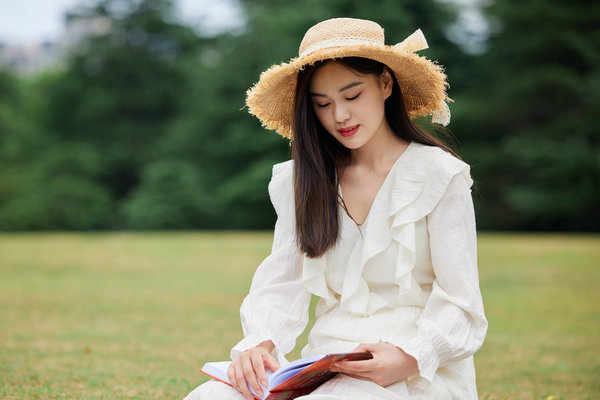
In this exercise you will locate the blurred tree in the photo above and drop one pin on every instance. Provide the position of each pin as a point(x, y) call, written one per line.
point(17, 132)
point(144, 127)
point(115, 97)
point(528, 123)
point(18, 138)
point(172, 196)
point(56, 191)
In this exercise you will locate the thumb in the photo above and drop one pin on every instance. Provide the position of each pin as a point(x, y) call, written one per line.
point(370, 347)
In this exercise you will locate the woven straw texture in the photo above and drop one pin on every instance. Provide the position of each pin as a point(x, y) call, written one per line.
point(422, 82)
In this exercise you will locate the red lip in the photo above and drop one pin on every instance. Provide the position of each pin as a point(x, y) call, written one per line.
point(347, 132)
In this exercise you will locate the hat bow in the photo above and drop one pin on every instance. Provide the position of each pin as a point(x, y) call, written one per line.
point(415, 42)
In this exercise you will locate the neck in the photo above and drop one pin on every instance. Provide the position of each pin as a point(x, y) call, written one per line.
point(383, 148)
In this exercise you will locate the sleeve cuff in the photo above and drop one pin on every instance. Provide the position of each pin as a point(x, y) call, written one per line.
point(253, 340)
point(426, 356)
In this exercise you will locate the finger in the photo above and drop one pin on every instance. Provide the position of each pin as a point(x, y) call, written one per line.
point(259, 368)
point(240, 380)
point(238, 376)
point(370, 347)
point(271, 362)
point(232, 377)
point(355, 376)
point(354, 366)
point(250, 375)
point(243, 388)
point(359, 348)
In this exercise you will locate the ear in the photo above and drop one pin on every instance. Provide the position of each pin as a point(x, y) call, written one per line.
point(386, 82)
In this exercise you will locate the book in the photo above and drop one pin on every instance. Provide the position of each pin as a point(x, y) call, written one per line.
point(295, 379)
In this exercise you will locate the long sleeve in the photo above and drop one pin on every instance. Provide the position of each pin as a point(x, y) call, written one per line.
point(276, 307)
point(453, 325)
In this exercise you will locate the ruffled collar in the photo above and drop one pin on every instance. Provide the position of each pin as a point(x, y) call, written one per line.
point(412, 188)
point(382, 188)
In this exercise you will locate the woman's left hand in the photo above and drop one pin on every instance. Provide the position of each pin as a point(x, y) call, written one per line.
point(389, 364)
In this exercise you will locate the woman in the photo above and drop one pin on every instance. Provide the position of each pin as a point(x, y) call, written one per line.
point(374, 216)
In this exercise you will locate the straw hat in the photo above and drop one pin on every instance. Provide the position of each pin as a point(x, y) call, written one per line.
point(422, 82)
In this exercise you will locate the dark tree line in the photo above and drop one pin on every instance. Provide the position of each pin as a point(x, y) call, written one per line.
point(143, 127)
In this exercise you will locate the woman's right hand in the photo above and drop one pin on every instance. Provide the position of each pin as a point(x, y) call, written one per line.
point(251, 365)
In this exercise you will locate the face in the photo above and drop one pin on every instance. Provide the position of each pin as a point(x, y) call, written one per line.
point(349, 105)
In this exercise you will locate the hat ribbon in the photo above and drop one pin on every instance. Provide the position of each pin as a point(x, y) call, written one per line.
point(415, 42)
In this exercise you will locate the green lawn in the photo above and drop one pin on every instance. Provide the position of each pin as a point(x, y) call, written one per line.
point(115, 316)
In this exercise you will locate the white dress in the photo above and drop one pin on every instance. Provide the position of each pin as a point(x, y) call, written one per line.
point(407, 276)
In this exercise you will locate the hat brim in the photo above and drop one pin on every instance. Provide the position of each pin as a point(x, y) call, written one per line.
point(422, 82)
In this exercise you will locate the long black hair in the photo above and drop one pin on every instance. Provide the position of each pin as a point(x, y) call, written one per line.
point(319, 157)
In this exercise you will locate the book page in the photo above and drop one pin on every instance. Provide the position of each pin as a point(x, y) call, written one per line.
point(291, 369)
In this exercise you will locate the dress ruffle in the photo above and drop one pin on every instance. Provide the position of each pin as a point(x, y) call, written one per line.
point(414, 186)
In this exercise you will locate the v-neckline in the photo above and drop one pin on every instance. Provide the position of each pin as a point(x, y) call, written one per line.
point(345, 209)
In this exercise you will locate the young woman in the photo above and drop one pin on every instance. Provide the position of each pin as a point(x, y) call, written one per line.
point(374, 216)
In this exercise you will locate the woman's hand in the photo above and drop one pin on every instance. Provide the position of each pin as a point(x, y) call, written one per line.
point(389, 364)
point(251, 365)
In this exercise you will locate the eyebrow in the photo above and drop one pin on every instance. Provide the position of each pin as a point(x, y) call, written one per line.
point(348, 86)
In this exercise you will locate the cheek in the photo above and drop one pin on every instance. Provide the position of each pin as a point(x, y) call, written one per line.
point(372, 108)
point(322, 116)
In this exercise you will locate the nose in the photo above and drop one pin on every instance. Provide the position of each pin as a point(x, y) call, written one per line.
point(341, 113)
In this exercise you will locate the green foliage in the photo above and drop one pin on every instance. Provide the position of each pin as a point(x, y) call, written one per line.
point(97, 121)
point(56, 192)
point(171, 195)
point(528, 122)
point(144, 126)
point(57, 204)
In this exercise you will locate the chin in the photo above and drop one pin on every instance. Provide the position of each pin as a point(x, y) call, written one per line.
point(351, 145)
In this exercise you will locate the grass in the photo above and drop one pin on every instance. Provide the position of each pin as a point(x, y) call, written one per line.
point(119, 316)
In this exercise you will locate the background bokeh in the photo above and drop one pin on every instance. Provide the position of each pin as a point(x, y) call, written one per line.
point(141, 124)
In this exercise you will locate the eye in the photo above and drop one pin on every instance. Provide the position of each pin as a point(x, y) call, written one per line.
point(353, 97)
point(321, 105)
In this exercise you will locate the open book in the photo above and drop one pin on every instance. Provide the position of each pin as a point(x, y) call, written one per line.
point(293, 380)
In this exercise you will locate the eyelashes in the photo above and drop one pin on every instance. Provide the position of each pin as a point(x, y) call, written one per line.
point(348, 98)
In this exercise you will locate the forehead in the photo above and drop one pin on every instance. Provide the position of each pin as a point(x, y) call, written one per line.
point(333, 76)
